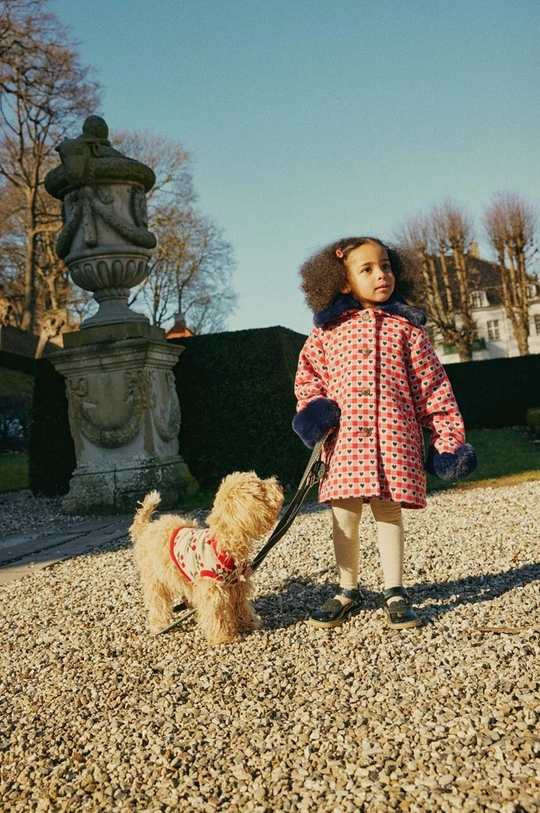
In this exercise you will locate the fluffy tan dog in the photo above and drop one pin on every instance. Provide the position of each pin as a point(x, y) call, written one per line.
point(208, 567)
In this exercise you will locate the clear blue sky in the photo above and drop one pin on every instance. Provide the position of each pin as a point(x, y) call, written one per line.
point(308, 120)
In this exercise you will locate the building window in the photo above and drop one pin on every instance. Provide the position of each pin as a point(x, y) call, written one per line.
point(478, 299)
point(531, 292)
point(493, 330)
point(537, 323)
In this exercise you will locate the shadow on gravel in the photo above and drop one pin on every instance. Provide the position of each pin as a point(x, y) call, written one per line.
point(297, 600)
point(439, 598)
point(302, 595)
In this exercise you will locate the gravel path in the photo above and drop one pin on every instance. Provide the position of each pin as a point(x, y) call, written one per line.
point(97, 715)
point(20, 510)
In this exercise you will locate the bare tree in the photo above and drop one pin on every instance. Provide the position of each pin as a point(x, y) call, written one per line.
point(169, 160)
point(12, 249)
point(442, 239)
point(53, 291)
point(192, 267)
point(44, 92)
point(510, 223)
point(191, 270)
point(5, 312)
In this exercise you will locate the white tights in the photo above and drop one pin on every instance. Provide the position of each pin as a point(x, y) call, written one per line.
point(346, 520)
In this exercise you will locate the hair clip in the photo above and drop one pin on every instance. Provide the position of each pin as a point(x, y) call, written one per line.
point(339, 253)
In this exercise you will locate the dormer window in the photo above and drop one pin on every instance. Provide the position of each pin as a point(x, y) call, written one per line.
point(532, 292)
point(478, 299)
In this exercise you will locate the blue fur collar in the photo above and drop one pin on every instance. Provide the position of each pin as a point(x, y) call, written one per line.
point(396, 306)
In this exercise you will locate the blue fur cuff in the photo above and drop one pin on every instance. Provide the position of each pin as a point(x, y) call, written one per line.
point(313, 422)
point(451, 465)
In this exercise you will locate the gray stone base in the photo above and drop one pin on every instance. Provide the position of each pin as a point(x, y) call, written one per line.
point(118, 489)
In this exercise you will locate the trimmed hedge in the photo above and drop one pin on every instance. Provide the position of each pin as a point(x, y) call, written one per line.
point(13, 361)
point(237, 401)
point(496, 393)
point(242, 419)
point(533, 419)
point(51, 450)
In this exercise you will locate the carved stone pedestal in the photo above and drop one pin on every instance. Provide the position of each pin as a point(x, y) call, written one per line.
point(124, 417)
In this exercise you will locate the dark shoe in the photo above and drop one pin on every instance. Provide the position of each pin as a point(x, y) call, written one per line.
point(333, 612)
point(400, 614)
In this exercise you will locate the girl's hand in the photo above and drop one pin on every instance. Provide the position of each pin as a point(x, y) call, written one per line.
point(451, 465)
point(316, 419)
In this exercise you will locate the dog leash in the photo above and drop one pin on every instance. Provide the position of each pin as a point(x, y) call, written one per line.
point(314, 471)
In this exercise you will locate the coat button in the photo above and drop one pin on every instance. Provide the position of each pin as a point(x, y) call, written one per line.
point(367, 431)
point(366, 351)
point(365, 316)
point(365, 391)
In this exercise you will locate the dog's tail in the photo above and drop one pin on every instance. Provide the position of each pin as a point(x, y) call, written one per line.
point(142, 517)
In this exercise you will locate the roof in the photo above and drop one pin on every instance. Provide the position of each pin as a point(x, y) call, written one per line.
point(483, 276)
point(179, 330)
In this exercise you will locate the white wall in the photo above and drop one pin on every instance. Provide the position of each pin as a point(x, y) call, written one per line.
point(506, 345)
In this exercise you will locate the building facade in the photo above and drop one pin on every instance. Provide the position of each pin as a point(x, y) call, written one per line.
point(494, 334)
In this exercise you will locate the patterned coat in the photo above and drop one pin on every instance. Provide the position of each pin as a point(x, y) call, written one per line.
point(375, 375)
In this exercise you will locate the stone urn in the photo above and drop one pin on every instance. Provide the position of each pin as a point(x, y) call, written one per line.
point(124, 411)
point(105, 240)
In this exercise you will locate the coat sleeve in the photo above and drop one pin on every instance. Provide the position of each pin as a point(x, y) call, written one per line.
point(316, 413)
point(449, 456)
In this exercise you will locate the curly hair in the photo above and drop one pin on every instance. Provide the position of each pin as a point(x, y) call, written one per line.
point(324, 274)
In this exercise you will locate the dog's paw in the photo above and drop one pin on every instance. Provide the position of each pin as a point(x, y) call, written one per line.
point(221, 640)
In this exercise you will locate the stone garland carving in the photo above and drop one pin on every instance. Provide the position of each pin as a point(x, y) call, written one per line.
point(85, 182)
point(167, 426)
point(107, 438)
point(142, 387)
point(80, 208)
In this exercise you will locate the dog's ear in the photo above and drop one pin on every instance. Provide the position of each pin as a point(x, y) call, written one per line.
point(244, 509)
point(274, 493)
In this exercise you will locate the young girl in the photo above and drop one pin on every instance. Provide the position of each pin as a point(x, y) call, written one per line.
point(369, 374)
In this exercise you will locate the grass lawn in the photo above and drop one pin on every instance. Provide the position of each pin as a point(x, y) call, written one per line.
point(13, 471)
point(13, 382)
point(505, 457)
